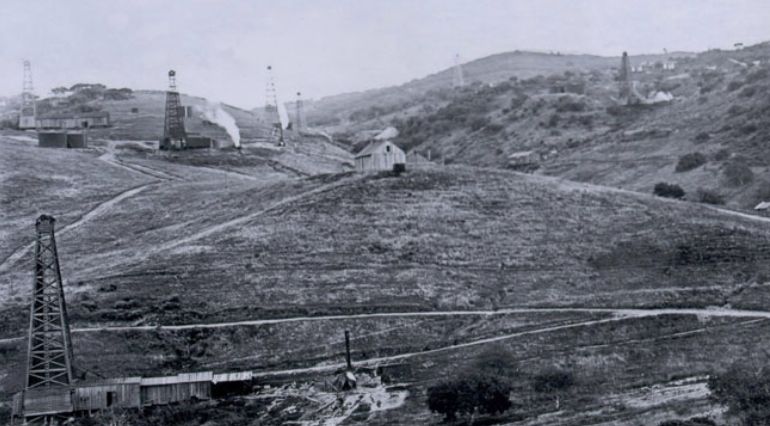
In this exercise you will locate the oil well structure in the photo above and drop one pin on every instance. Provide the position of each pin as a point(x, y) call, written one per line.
point(271, 110)
point(175, 137)
point(28, 110)
point(52, 392)
point(55, 389)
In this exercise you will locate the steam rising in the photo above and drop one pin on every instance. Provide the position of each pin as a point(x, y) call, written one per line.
point(216, 114)
point(283, 115)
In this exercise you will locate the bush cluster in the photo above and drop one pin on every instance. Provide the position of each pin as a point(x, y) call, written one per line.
point(466, 395)
point(690, 161)
point(663, 189)
point(738, 173)
point(710, 197)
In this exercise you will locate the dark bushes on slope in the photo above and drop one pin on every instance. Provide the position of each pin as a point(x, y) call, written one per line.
point(690, 161)
point(668, 190)
point(738, 173)
point(710, 197)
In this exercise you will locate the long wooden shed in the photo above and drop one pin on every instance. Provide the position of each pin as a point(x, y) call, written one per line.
point(165, 390)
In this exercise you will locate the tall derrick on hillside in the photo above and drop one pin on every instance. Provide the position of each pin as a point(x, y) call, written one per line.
point(28, 110)
point(273, 116)
point(49, 354)
point(624, 78)
point(299, 119)
point(174, 135)
point(458, 79)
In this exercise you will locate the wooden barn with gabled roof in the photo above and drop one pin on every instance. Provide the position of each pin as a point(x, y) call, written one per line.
point(379, 156)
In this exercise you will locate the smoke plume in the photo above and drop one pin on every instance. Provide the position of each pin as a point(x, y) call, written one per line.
point(216, 114)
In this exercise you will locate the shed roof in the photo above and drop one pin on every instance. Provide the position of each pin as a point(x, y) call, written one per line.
point(520, 154)
point(241, 376)
point(179, 378)
point(765, 205)
point(373, 147)
point(112, 381)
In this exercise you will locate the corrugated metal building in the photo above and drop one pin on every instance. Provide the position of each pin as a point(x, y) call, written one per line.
point(379, 156)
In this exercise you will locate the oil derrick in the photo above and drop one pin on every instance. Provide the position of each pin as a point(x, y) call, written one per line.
point(49, 354)
point(299, 120)
point(28, 111)
point(458, 79)
point(271, 110)
point(174, 136)
point(625, 79)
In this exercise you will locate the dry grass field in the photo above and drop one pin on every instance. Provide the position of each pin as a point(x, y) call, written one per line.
point(215, 237)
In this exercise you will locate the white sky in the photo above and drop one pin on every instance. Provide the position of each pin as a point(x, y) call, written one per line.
point(220, 48)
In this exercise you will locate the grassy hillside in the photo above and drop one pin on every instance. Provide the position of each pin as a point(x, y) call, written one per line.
point(340, 111)
point(228, 248)
point(641, 297)
point(577, 129)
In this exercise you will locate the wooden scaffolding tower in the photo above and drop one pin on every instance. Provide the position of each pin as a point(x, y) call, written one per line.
point(49, 354)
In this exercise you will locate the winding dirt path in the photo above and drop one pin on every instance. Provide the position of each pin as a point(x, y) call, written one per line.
point(109, 158)
point(98, 210)
point(618, 314)
point(240, 220)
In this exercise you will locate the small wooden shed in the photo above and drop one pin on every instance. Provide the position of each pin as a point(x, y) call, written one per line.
point(165, 390)
point(763, 208)
point(121, 392)
point(379, 156)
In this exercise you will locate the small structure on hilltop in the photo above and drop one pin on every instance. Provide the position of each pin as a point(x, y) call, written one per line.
point(524, 161)
point(82, 120)
point(763, 208)
point(380, 156)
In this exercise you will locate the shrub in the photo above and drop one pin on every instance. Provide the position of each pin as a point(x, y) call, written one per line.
point(722, 154)
point(745, 390)
point(702, 137)
point(690, 161)
point(748, 91)
point(553, 382)
point(496, 361)
point(734, 85)
point(553, 121)
point(466, 395)
point(760, 74)
point(479, 122)
point(710, 197)
point(695, 421)
point(738, 173)
point(567, 104)
point(667, 190)
point(749, 128)
point(735, 110)
point(518, 101)
point(493, 128)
